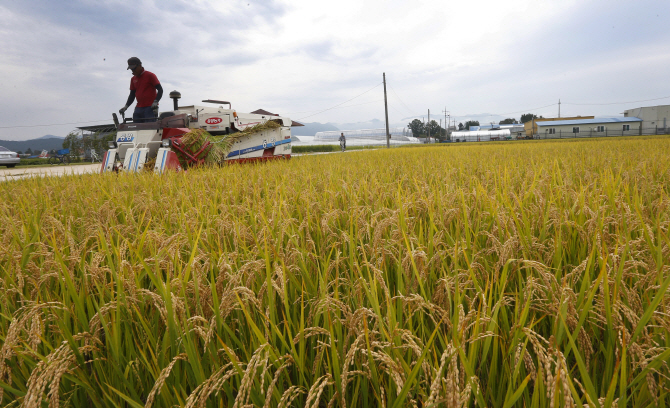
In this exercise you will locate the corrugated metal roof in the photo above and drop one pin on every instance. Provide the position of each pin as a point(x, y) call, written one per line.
point(587, 121)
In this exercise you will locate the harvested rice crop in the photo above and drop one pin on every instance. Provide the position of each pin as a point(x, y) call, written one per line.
point(219, 146)
point(525, 274)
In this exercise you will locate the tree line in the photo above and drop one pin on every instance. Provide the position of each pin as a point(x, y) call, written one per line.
point(80, 144)
point(420, 129)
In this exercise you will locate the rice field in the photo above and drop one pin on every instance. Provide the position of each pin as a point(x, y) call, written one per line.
point(517, 274)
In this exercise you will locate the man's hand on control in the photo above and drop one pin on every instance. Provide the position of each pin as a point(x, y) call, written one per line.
point(123, 110)
point(154, 105)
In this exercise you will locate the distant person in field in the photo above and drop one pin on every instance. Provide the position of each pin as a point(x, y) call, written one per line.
point(343, 141)
point(144, 86)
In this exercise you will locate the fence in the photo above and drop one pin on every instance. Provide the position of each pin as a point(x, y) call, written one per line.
point(566, 134)
point(311, 141)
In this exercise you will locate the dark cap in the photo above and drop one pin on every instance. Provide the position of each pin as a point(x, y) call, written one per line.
point(133, 62)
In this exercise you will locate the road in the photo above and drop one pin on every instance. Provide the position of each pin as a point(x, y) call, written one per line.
point(59, 170)
point(56, 170)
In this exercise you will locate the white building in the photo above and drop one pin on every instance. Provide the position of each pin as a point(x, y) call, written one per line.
point(480, 135)
point(655, 119)
point(515, 129)
point(596, 127)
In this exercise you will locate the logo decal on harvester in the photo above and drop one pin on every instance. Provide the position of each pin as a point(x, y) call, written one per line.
point(263, 146)
point(213, 121)
point(125, 137)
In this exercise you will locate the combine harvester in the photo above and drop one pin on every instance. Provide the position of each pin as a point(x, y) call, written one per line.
point(246, 137)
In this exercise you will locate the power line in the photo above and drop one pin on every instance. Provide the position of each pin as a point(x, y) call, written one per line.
point(392, 107)
point(53, 124)
point(401, 101)
point(339, 104)
point(492, 114)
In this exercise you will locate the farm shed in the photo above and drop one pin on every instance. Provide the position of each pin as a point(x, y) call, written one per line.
point(530, 127)
point(596, 127)
point(655, 119)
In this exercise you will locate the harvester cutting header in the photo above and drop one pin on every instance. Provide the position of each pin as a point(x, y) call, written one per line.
point(193, 135)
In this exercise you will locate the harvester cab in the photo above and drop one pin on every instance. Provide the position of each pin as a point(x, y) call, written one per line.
point(161, 143)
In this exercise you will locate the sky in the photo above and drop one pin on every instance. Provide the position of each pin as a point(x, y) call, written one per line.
point(63, 63)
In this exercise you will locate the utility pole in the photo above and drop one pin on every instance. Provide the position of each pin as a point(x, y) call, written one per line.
point(447, 123)
point(428, 126)
point(386, 112)
point(559, 108)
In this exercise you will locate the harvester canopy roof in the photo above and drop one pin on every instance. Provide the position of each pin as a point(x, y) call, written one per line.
point(264, 112)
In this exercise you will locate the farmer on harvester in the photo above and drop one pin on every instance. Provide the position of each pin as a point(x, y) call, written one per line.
point(145, 87)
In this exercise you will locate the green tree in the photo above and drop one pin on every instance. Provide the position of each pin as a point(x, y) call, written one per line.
point(100, 141)
point(508, 121)
point(470, 123)
point(460, 126)
point(435, 130)
point(417, 127)
point(29, 151)
point(74, 143)
point(527, 117)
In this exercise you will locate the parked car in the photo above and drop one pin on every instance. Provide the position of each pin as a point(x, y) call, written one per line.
point(8, 158)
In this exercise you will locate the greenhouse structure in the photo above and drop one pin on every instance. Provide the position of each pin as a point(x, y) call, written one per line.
point(480, 135)
point(366, 136)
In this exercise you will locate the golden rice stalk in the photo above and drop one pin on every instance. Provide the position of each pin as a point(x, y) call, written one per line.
point(156, 390)
point(198, 398)
point(288, 361)
point(289, 395)
point(13, 336)
point(149, 165)
point(258, 360)
point(50, 371)
point(316, 390)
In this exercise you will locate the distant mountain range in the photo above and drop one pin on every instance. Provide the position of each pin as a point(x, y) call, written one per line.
point(50, 137)
point(370, 124)
point(46, 142)
point(310, 129)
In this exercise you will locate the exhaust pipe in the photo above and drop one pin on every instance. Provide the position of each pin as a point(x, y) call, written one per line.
point(175, 95)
